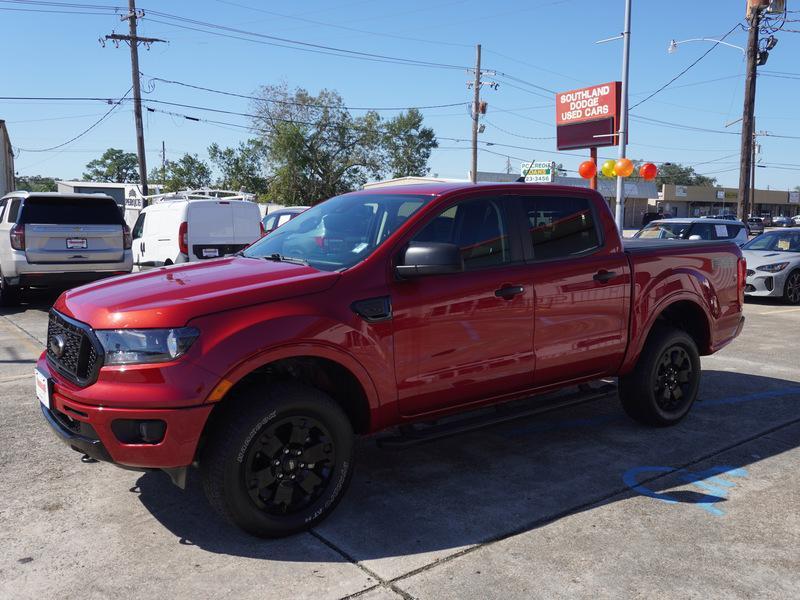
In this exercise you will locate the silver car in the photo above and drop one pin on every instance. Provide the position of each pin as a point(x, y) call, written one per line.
point(49, 239)
point(773, 265)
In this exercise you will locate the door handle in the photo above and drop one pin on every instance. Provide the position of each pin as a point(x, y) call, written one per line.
point(509, 291)
point(141, 247)
point(604, 276)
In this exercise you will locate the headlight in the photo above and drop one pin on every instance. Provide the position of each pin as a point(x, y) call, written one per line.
point(136, 346)
point(773, 268)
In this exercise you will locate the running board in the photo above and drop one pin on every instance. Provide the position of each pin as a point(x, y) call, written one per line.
point(419, 433)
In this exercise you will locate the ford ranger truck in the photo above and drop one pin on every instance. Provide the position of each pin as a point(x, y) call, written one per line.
point(372, 310)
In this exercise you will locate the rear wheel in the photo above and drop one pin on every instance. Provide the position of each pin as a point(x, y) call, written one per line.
point(791, 288)
point(664, 383)
point(9, 294)
point(280, 459)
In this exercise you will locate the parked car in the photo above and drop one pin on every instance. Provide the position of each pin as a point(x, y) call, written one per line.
point(694, 229)
point(755, 225)
point(425, 301)
point(279, 217)
point(652, 216)
point(177, 230)
point(782, 222)
point(49, 239)
point(767, 220)
point(773, 265)
point(796, 221)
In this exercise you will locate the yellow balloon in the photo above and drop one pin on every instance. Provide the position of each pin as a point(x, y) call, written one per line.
point(608, 168)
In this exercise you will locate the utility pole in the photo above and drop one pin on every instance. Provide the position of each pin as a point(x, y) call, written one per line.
point(476, 111)
point(750, 209)
point(748, 126)
point(619, 212)
point(163, 162)
point(133, 41)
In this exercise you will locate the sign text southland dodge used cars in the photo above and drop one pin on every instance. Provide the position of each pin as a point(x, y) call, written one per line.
point(371, 310)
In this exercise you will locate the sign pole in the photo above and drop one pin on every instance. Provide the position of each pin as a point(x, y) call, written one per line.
point(593, 180)
point(619, 212)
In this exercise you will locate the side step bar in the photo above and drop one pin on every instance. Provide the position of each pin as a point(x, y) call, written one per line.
point(408, 435)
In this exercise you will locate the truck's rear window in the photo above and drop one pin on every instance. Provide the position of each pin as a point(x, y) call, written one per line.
point(70, 211)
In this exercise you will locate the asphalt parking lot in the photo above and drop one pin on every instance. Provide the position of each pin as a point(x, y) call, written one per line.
point(577, 503)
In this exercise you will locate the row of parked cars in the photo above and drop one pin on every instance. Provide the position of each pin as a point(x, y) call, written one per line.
point(55, 239)
point(773, 257)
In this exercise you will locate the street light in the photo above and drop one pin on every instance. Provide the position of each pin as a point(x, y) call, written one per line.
point(673, 44)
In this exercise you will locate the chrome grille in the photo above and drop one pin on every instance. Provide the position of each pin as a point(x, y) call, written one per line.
point(79, 361)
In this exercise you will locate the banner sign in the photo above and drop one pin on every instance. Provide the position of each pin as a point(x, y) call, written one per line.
point(538, 172)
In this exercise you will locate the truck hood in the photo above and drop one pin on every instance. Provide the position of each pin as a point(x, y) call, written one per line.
point(757, 258)
point(172, 296)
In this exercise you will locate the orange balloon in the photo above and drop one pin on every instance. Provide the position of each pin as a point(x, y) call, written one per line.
point(648, 171)
point(587, 169)
point(623, 167)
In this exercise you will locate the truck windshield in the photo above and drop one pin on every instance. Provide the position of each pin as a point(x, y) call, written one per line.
point(663, 231)
point(777, 241)
point(339, 232)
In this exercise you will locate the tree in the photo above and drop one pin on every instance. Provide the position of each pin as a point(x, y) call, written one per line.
point(36, 183)
point(314, 147)
point(188, 172)
point(114, 166)
point(678, 174)
point(242, 168)
point(408, 144)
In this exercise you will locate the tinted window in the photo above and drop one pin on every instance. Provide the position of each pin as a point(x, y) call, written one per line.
point(560, 227)
point(138, 226)
point(478, 227)
point(269, 222)
point(71, 211)
point(704, 230)
point(733, 230)
point(13, 210)
point(2, 209)
point(664, 231)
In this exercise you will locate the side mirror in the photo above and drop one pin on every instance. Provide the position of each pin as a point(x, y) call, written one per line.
point(429, 258)
point(695, 237)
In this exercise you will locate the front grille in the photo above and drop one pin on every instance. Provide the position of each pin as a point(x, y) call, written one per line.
point(80, 359)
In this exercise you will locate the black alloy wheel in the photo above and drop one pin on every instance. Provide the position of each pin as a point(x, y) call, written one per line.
point(290, 465)
point(791, 289)
point(673, 378)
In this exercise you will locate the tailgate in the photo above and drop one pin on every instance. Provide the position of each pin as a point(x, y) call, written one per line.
point(219, 228)
point(73, 243)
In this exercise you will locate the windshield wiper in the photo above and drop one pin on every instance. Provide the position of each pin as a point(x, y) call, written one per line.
point(289, 259)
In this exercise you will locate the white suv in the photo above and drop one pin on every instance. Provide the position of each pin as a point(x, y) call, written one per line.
point(49, 239)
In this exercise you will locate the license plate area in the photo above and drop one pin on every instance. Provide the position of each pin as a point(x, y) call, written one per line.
point(43, 387)
point(77, 244)
point(210, 252)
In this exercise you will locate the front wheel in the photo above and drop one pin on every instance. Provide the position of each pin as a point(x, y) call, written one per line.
point(664, 383)
point(279, 460)
point(791, 289)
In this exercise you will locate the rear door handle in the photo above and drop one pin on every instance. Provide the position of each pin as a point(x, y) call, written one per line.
point(507, 292)
point(604, 276)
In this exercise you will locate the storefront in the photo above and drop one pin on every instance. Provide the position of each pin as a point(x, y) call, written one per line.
point(698, 201)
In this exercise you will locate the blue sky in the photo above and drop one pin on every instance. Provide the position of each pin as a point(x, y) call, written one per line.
point(546, 43)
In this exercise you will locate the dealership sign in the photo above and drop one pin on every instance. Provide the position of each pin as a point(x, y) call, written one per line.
point(538, 172)
point(588, 117)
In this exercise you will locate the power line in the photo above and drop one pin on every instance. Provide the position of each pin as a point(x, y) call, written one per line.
point(290, 103)
point(82, 133)
point(668, 124)
point(702, 56)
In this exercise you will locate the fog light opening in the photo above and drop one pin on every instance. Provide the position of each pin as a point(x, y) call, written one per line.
point(139, 431)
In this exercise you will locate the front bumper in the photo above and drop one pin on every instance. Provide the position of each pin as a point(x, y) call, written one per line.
point(87, 428)
point(764, 284)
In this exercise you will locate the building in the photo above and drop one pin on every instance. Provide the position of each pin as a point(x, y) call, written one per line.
point(697, 201)
point(7, 183)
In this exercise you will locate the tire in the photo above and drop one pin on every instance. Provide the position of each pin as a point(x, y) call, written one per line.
point(664, 383)
point(791, 288)
point(9, 294)
point(289, 424)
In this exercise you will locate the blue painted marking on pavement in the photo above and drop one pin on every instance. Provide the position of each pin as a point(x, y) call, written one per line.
point(708, 480)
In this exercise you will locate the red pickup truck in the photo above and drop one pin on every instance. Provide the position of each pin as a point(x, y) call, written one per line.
point(371, 310)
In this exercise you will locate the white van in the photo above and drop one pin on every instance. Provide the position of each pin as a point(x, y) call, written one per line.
point(178, 230)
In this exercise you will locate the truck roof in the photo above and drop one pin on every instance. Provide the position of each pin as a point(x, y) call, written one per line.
point(442, 188)
point(65, 195)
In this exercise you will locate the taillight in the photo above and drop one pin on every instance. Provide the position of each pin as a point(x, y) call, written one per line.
point(742, 278)
point(183, 238)
point(127, 241)
point(17, 234)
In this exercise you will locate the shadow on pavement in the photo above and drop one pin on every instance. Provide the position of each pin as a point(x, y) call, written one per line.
point(445, 495)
